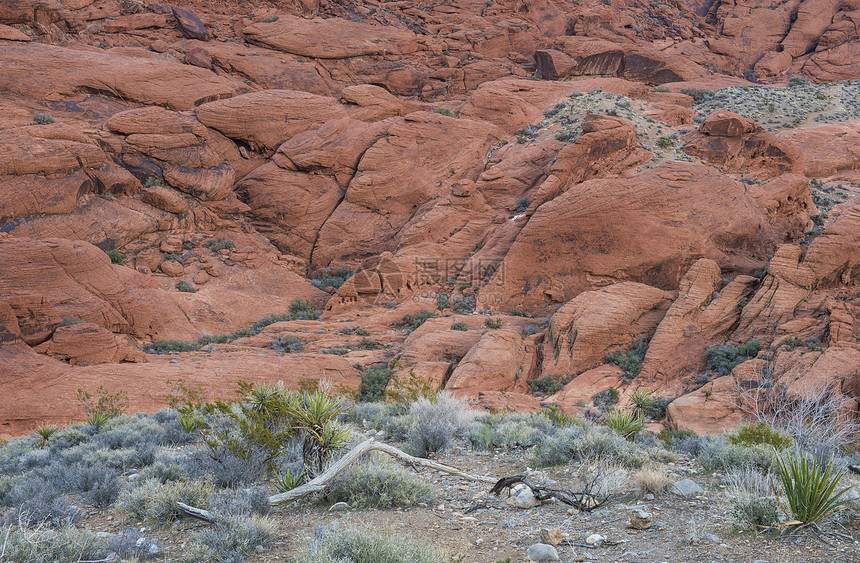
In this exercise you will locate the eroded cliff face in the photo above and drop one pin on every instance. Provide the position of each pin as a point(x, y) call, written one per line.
point(593, 176)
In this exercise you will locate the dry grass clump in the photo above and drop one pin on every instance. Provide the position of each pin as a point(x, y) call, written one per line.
point(652, 480)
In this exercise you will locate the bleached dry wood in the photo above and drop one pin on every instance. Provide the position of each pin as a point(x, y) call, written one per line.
point(196, 512)
point(320, 483)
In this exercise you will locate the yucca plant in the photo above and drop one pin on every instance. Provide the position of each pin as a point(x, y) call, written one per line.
point(644, 402)
point(810, 489)
point(625, 422)
point(313, 416)
point(45, 432)
point(286, 481)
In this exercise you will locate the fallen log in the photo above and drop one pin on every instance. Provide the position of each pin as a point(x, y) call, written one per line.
point(320, 483)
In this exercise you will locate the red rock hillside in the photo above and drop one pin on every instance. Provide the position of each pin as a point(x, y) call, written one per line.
point(561, 184)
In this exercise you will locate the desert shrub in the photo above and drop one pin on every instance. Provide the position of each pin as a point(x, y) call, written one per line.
point(605, 399)
point(184, 287)
point(810, 488)
point(352, 545)
point(464, 305)
point(624, 422)
point(37, 502)
point(236, 502)
point(444, 111)
point(588, 444)
point(548, 385)
point(98, 485)
point(302, 309)
point(630, 361)
point(723, 358)
point(435, 422)
point(154, 501)
point(40, 544)
point(43, 119)
point(333, 278)
point(566, 136)
point(719, 454)
point(411, 322)
point(699, 95)
point(510, 430)
point(523, 204)
point(820, 421)
point(171, 347)
point(369, 344)
point(460, 325)
point(116, 257)
point(374, 380)
point(216, 244)
point(70, 321)
point(288, 344)
point(379, 484)
point(665, 142)
point(493, 323)
point(442, 300)
point(652, 480)
point(336, 351)
point(164, 472)
point(105, 406)
point(232, 536)
point(760, 433)
point(132, 545)
point(795, 81)
point(751, 497)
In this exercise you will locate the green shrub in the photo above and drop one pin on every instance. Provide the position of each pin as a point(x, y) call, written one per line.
point(154, 501)
point(374, 381)
point(172, 347)
point(377, 484)
point(288, 344)
point(605, 399)
point(116, 257)
point(718, 454)
point(444, 111)
point(287, 481)
point(369, 344)
point(464, 305)
point(523, 204)
point(105, 406)
point(518, 430)
point(336, 351)
point(671, 436)
point(757, 513)
point(588, 444)
point(493, 323)
point(435, 421)
point(302, 309)
point(566, 136)
point(460, 325)
point(723, 358)
point(760, 433)
point(442, 301)
point(549, 385)
point(810, 488)
point(351, 545)
point(232, 536)
point(216, 244)
point(411, 322)
point(408, 390)
point(630, 362)
point(665, 142)
point(70, 321)
point(699, 95)
point(333, 278)
point(625, 423)
point(43, 544)
point(43, 119)
point(184, 287)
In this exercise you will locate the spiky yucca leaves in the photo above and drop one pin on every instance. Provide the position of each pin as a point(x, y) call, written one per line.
point(810, 488)
point(286, 481)
point(313, 416)
point(644, 402)
point(625, 422)
point(45, 432)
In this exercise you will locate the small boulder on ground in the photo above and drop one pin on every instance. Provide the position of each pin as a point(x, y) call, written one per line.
point(542, 552)
point(687, 487)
